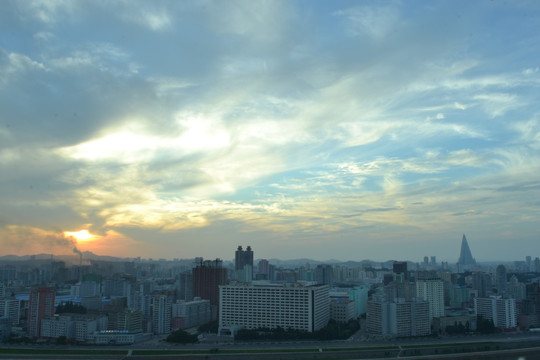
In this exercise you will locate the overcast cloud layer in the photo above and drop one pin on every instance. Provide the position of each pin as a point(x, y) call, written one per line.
point(322, 129)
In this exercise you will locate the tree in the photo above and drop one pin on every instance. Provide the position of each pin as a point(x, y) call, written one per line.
point(210, 327)
point(485, 326)
point(69, 307)
point(61, 340)
point(182, 337)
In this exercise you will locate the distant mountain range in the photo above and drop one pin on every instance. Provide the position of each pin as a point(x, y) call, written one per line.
point(71, 258)
point(88, 255)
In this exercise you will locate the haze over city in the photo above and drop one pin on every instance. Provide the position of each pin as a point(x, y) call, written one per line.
point(318, 129)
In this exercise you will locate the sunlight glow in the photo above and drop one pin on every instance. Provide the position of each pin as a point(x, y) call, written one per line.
point(82, 235)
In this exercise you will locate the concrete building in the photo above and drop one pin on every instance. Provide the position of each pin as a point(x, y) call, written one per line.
point(5, 328)
point(243, 258)
point(342, 309)
point(11, 308)
point(324, 274)
point(296, 306)
point(360, 296)
point(398, 317)
point(86, 288)
point(500, 279)
point(56, 326)
point(126, 320)
point(399, 269)
point(207, 277)
point(432, 290)
point(185, 286)
point(263, 269)
point(187, 314)
point(161, 314)
point(118, 337)
point(516, 289)
point(40, 306)
point(72, 326)
point(501, 310)
point(482, 283)
point(460, 296)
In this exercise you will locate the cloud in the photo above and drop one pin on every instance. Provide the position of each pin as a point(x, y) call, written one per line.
point(149, 15)
point(497, 104)
point(16, 239)
point(301, 123)
point(374, 21)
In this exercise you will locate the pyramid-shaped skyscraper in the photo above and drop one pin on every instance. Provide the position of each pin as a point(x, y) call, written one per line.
point(465, 256)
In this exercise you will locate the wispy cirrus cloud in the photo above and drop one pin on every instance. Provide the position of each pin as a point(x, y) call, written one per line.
point(326, 127)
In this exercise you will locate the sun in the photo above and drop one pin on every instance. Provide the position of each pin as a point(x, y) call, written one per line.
point(81, 235)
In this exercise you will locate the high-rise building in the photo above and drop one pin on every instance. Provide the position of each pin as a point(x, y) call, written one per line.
point(185, 286)
point(501, 310)
point(324, 274)
point(459, 296)
point(482, 283)
point(516, 289)
point(262, 305)
point(264, 268)
point(187, 314)
point(342, 309)
point(399, 268)
point(243, 257)
point(432, 290)
point(10, 307)
point(126, 320)
point(207, 277)
point(465, 256)
point(500, 279)
point(360, 296)
point(161, 314)
point(398, 317)
point(40, 305)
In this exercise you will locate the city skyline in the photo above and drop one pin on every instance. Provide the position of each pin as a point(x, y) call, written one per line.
point(306, 129)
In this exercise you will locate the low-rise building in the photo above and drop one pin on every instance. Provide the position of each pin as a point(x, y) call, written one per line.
point(72, 326)
point(118, 337)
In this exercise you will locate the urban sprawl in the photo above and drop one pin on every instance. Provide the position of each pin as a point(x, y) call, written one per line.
point(98, 300)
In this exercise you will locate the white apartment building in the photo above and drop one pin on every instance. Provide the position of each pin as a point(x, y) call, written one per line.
point(186, 314)
point(342, 309)
point(56, 326)
point(398, 317)
point(161, 314)
point(501, 311)
point(78, 327)
point(432, 290)
point(298, 306)
point(11, 308)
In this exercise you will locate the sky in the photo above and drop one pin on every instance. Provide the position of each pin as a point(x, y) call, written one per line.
point(343, 130)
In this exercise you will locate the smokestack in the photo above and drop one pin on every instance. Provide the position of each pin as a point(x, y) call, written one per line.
point(77, 251)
